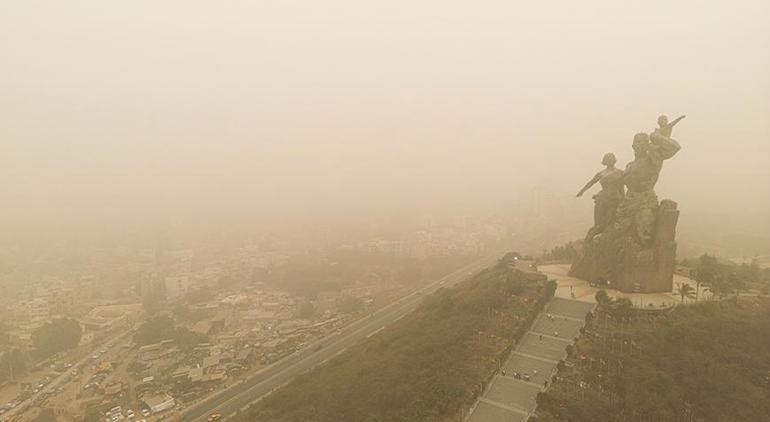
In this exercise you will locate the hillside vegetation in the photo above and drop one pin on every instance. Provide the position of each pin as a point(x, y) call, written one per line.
point(426, 366)
point(704, 362)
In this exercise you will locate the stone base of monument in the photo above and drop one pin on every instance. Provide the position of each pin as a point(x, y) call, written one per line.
point(628, 266)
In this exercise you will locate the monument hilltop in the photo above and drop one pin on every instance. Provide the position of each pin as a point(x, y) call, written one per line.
point(632, 243)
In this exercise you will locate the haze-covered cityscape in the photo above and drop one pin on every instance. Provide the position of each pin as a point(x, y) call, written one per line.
point(409, 211)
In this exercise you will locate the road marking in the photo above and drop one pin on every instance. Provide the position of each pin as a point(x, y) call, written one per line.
point(375, 332)
point(472, 267)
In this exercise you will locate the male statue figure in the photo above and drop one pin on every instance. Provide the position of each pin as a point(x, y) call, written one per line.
point(636, 212)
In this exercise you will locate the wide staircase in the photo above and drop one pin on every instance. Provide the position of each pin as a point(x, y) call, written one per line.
point(511, 395)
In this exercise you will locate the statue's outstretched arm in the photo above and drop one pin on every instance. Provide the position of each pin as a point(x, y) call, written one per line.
point(589, 184)
point(675, 121)
point(664, 146)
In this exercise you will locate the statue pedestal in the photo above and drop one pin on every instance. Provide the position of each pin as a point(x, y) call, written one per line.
point(629, 266)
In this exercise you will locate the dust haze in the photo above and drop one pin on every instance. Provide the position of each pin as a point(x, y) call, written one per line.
point(345, 210)
point(145, 115)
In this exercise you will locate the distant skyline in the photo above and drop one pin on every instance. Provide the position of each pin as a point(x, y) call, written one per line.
point(117, 114)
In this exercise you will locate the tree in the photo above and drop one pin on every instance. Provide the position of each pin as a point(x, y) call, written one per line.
point(565, 253)
point(706, 272)
point(602, 297)
point(155, 331)
point(717, 288)
point(13, 364)
point(726, 283)
point(56, 336)
point(162, 328)
point(751, 272)
point(685, 290)
point(622, 308)
point(187, 340)
point(698, 282)
point(736, 282)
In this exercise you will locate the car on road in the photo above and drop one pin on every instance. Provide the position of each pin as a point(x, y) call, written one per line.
point(215, 417)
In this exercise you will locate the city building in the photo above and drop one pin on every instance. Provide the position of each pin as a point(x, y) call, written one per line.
point(158, 402)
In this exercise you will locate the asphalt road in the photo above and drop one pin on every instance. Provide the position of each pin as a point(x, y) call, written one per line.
point(65, 376)
point(281, 372)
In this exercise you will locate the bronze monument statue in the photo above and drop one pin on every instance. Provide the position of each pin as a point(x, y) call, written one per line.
point(607, 200)
point(632, 241)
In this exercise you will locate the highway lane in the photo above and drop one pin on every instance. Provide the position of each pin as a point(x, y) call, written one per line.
point(65, 376)
point(281, 372)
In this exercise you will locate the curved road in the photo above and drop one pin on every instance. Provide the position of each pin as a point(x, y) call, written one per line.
point(281, 372)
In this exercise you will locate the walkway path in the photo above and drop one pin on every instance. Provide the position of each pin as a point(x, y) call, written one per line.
point(511, 397)
point(567, 286)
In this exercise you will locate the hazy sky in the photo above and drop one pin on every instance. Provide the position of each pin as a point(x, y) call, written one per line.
point(119, 112)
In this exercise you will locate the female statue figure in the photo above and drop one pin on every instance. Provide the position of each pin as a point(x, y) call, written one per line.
point(607, 200)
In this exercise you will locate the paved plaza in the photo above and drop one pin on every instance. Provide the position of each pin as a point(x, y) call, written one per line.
point(580, 290)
